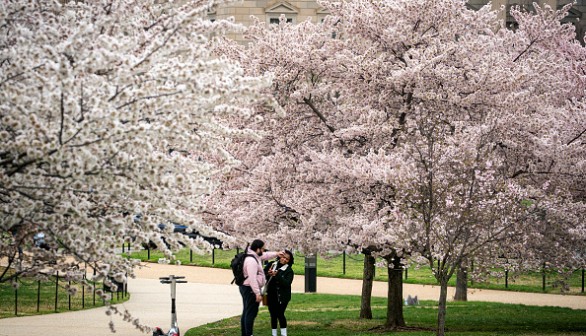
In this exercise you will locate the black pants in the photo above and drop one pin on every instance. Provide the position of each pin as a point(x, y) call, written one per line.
point(277, 311)
point(249, 310)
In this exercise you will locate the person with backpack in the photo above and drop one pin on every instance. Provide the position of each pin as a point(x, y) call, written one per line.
point(253, 280)
point(280, 276)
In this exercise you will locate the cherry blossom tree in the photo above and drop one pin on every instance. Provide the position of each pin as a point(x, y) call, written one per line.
point(111, 111)
point(476, 102)
point(425, 131)
point(278, 191)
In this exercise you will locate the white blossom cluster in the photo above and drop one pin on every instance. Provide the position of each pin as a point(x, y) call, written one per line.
point(111, 122)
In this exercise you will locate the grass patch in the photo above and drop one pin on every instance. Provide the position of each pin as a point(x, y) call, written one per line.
point(337, 315)
point(350, 267)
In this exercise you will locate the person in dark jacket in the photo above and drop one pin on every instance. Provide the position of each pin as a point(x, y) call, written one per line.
point(279, 278)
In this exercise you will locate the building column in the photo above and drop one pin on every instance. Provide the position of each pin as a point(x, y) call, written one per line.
point(552, 3)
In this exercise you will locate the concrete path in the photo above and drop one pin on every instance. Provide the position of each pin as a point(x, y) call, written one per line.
point(208, 296)
point(150, 302)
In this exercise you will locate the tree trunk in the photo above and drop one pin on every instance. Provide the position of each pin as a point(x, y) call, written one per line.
point(441, 314)
point(367, 281)
point(395, 317)
point(461, 284)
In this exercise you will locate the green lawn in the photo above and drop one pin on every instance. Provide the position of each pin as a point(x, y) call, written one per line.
point(337, 315)
point(351, 268)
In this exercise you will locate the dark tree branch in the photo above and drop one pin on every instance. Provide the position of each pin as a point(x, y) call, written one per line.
point(62, 110)
point(21, 166)
point(309, 102)
point(157, 48)
point(81, 118)
point(577, 137)
point(146, 98)
point(18, 75)
point(524, 51)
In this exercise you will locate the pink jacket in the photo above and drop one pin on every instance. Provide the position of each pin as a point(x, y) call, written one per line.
point(253, 270)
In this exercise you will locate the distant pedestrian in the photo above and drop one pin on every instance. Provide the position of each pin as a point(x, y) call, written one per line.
point(250, 290)
point(280, 276)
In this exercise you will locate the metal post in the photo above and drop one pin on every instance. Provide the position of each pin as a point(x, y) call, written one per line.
point(310, 274)
point(38, 295)
point(122, 247)
point(94, 299)
point(69, 296)
point(583, 280)
point(56, 288)
point(344, 262)
point(213, 255)
point(506, 278)
point(16, 299)
point(190, 256)
point(83, 286)
point(148, 253)
point(406, 273)
point(543, 277)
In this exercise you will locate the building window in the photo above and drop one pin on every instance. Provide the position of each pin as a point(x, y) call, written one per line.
point(274, 20)
point(281, 9)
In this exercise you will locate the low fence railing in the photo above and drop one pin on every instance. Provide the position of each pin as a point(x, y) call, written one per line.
point(351, 266)
point(28, 296)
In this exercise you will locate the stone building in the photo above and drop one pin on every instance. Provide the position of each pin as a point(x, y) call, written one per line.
point(295, 11)
point(574, 16)
point(269, 11)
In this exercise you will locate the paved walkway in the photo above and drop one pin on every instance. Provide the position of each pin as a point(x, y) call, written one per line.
point(208, 296)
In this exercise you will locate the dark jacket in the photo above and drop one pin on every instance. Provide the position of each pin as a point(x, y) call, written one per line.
point(279, 289)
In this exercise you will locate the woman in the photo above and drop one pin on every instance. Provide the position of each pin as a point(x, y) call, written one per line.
point(279, 276)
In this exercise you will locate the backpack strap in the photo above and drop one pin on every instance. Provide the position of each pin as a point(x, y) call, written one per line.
point(246, 256)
